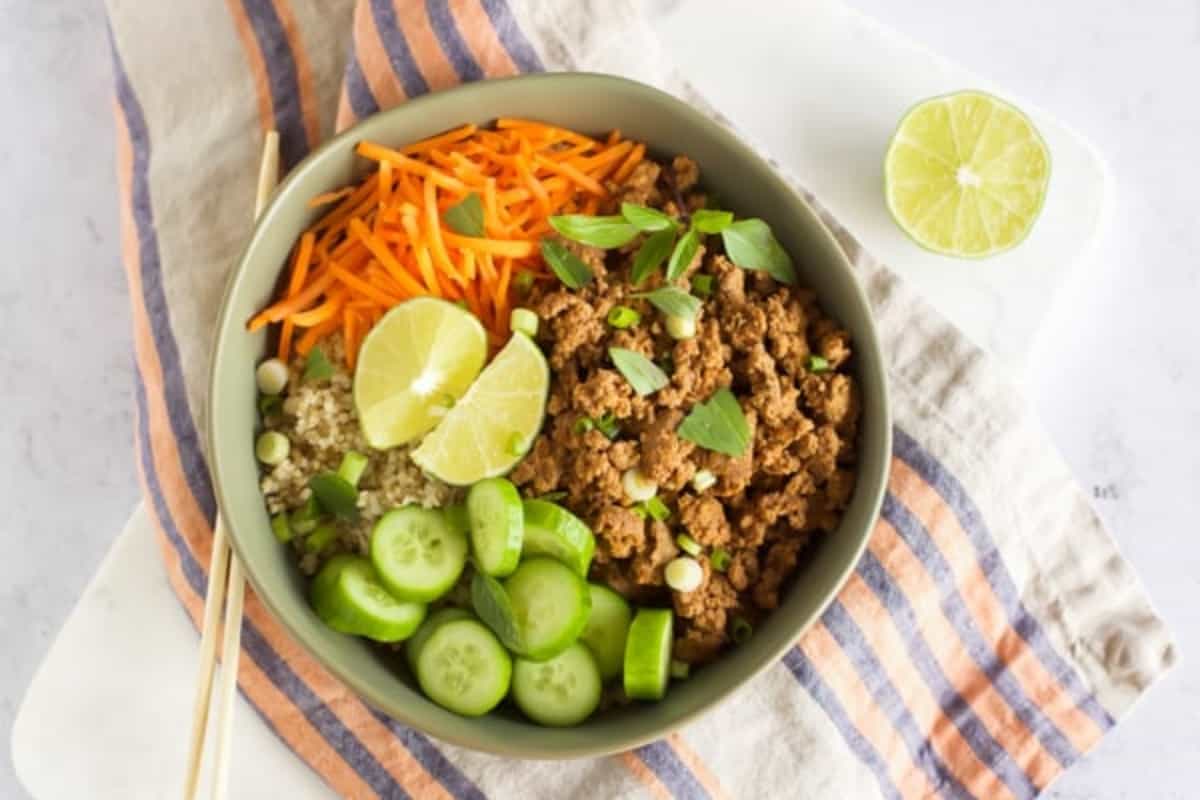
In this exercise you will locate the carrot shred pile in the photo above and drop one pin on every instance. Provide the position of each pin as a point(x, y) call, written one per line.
point(386, 239)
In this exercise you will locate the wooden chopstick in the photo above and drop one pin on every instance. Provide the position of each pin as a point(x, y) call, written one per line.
point(226, 586)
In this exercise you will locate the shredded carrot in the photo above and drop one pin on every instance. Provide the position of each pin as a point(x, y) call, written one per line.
point(316, 334)
point(299, 272)
point(329, 198)
point(385, 183)
point(386, 258)
point(631, 161)
point(327, 310)
point(385, 239)
point(456, 135)
point(291, 305)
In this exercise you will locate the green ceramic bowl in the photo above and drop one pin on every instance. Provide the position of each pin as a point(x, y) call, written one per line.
point(746, 184)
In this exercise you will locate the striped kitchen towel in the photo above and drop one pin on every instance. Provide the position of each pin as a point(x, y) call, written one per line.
point(991, 634)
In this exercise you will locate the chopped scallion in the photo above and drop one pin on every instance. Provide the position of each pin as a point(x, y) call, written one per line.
point(702, 285)
point(818, 363)
point(321, 538)
point(688, 545)
point(741, 630)
point(583, 425)
point(657, 509)
point(523, 281)
point(607, 424)
point(305, 518)
point(522, 320)
point(281, 527)
point(272, 448)
point(621, 317)
point(352, 467)
point(679, 669)
point(719, 559)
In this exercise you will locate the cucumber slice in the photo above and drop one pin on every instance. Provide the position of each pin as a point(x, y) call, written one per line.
point(497, 525)
point(606, 630)
point(562, 691)
point(349, 598)
point(551, 605)
point(412, 648)
point(551, 530)
point(418, 553)
point(648, 654)
point(495, 610)
point(463, 668)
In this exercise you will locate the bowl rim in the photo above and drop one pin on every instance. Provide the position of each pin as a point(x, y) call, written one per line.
point(728, 139)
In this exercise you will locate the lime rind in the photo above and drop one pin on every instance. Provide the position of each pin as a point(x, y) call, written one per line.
point(940, 138)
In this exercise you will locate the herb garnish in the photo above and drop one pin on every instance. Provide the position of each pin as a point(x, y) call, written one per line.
point(643, 374)
point(673, 301)
point(682, 255)
point(602, 232)
point(717, 424)
point(317, 367)
point(751, 245)
point(566, 265)
point(647, 219)
point(651, 255)
point(466, 217)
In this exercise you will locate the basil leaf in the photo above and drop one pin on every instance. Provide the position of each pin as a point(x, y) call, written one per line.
point(717, 425)
point(675, 302)
point(682, 255)
point(603, 232)
point(566, 265)
point(646, 219)
point(466, 217)
point(708, 220)
point(643, 374)
point(651, 255)
point(317, 367)
point(751, 245)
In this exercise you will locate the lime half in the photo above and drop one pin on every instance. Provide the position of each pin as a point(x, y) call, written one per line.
point(966, 175)
point(414, 365)
point(494, 424)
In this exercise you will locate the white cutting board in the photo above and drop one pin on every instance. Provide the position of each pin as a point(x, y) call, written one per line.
point(821, 87)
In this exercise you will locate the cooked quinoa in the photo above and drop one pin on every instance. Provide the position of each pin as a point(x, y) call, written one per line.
point(318, 419)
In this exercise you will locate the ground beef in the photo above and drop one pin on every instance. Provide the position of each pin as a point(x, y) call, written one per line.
point(754, 337)
point(704, 519)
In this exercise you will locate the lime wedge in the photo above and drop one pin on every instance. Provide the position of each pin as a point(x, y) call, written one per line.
point(494, 424)
point(966, 175)
point(414, 365)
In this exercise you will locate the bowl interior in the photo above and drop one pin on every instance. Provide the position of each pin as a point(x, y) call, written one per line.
point(589, 103)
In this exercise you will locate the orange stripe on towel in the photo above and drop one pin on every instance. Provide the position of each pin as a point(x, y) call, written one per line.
point(478, 32)
point(871, 722)
point(955, 752)
point(960, 669)
point(413, 19)
point(373, 58)
point(1040, 686)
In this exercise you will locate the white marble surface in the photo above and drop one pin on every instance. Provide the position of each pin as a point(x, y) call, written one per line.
point(1117, 380)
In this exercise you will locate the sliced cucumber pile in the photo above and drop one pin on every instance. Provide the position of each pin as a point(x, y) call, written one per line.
point(564, 690)
point(606, 630)
point(551, 530)
point(418, 552)
point(536, 626)
point(463, 667)
point(497, 521)
point(349, 598)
